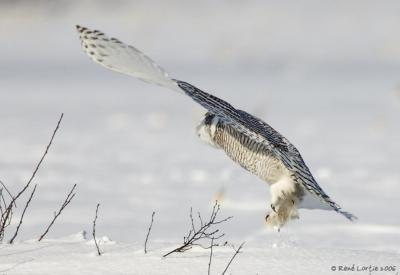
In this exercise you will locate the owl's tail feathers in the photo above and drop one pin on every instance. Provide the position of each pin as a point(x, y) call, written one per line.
point(118, 56)
point(339, 210)
point(313, 201)
point(348, 215)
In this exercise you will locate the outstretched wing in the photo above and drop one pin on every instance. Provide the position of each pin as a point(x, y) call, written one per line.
point(264, 134)
point(118, 56)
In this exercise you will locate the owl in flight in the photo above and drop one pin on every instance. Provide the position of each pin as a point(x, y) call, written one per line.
point(246, 139)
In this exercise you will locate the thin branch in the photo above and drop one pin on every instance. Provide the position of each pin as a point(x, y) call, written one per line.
point(204, 232)
point(148, 232)
point(211, 254)
point(6, 216)
point(68, 199)
point(5, 219)
point(94, 230)
point(233, 257)
point(41, 159)
point(22, 216)
point(191, 219)
point(2, 200)
point(8, 191)
point(200, 219)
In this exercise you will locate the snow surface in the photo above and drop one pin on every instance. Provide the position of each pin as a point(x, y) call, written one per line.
point(325, 76)
point(75, 255)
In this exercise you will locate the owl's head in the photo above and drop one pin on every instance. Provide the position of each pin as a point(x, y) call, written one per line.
point(207, 128)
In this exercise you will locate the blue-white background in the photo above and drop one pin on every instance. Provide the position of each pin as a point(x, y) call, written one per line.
point(326, 74)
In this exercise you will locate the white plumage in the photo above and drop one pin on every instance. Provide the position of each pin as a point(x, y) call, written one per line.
point(247, 140)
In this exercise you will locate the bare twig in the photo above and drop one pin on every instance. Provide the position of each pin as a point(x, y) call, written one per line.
point(94, 230)
point(148, 232)
point(41, 159)
point(22, 216)
point(68, 199)
point(2, 202)
point(211, 254)
point(8, 191)
point(204, 232)
point(7, 213)
point(6, 216)
point(237, 251)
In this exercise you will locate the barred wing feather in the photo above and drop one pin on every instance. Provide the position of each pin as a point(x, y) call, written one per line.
point(261, 132)
point(118, 56)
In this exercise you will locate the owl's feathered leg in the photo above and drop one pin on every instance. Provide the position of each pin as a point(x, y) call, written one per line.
point(285, 196)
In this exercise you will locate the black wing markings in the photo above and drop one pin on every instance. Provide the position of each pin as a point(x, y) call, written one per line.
point(263, 133)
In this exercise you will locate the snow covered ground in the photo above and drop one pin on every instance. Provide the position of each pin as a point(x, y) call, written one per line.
point(327, 77)
point(75, 255)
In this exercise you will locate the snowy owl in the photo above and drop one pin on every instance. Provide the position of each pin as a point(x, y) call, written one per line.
point(246, 139)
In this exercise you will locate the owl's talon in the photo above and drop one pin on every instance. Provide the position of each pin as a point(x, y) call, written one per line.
point(273, 208)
